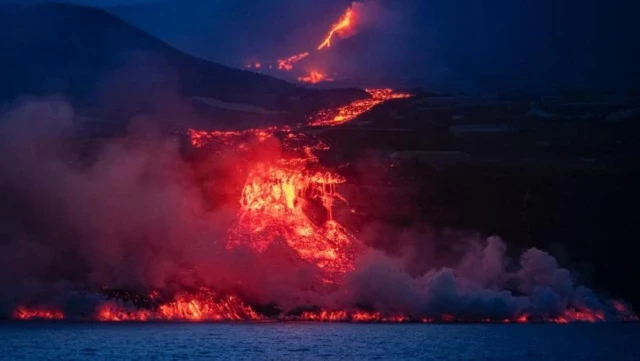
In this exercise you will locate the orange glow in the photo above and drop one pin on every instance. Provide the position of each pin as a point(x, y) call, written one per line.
point(25, 313)
point(623, 311)
point(337, 116)
point(346, 316)
point(273, 207)
point(569, 316)
point(341, 28)
point(286, 64)
point(203, 306)
point(314, 77)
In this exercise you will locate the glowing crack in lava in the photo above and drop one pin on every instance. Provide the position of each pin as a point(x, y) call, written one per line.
point(344, 114)
point(287, 64)
point(314, 77)
point(340, 28)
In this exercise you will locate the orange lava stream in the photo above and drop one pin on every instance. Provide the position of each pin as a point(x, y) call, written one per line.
point(286, 64)
point(339, 28)
point(314, 77)
point(338, 116)
point(25, 313)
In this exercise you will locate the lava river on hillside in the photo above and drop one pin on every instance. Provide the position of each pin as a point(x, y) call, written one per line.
point(286, 206)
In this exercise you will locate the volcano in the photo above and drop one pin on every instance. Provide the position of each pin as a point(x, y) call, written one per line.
point(233, 223)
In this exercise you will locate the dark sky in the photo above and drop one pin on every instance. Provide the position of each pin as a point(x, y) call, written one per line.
point(542, 43)
point(101, 3)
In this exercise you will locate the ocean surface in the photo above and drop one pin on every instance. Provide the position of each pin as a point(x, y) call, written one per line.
point(317, 341)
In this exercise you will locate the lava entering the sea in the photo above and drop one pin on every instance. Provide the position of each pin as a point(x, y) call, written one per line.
point(286, 200)
point(202, 306)
point(26, 313)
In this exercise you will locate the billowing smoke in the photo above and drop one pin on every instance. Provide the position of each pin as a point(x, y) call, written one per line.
point(135, 214)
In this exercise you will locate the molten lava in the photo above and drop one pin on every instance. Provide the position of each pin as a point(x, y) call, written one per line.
point(272, 208)
point(314, 77)
point(200, 307)
point(276, 197)
point(341, 28)
point(287, 64)
point(25, 313)
point(348, 316)
point(338, 116)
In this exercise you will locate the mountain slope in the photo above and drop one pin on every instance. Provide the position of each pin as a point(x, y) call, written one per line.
point(80, 52)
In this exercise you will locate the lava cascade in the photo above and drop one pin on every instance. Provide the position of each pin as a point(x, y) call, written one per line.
point(275, 195)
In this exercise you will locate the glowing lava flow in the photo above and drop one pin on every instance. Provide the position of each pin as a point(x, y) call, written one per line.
point(347, 316)
point(286, 64)
point(277, 194)
point(276, 198)
point(569, 316)
point(200, 307)
point(340, 28)
point(273, 207)
point(333, 117)
point(25, 313)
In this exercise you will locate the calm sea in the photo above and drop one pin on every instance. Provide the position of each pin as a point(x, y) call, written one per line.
point(307, 341)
